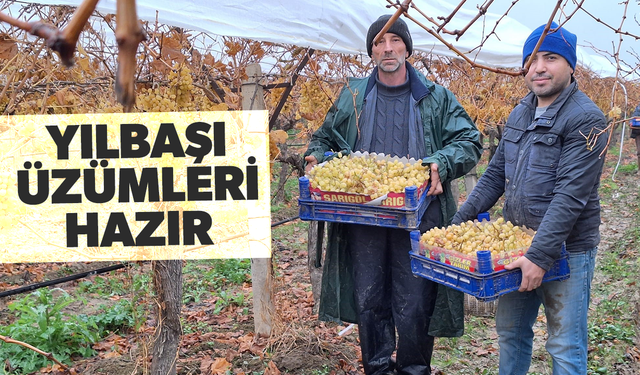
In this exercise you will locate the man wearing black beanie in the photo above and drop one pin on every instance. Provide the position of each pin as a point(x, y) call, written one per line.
point(367, 276)
point(548, 166)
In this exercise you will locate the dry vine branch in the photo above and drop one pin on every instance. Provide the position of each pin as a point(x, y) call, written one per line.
point(618, 31)
point(402, 8)
point(63, 42)
point(481, 11)
point(625, 67)
point(593, 136)
point(10, 105)
point(450, 46)
point(129, 34)
point(527, 65)
point(493, 32)
point(49, 356)
point(567, 18)
point(448, 19)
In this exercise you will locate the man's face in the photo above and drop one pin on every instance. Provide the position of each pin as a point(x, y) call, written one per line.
point(548, 75)
point(389, 53)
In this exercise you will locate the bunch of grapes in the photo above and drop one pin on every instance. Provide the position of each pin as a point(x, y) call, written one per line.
point(156, 100)
point(468, 237)
point(174, 97)
point(181, 83)
point(314, 102)
point(368, 175)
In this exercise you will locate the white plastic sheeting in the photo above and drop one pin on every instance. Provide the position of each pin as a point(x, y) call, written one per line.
point(341, 25)
point(331, 25)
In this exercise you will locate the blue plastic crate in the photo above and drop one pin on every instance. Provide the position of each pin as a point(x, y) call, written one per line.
point(635, 123)
point(486, 286)
point(357, 213)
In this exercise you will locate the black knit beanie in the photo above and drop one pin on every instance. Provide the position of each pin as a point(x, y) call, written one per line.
point(399, 28)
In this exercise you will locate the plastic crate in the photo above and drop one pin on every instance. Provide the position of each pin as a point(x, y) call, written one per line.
point(635, 123)
point(485, 284)
point(357, 213)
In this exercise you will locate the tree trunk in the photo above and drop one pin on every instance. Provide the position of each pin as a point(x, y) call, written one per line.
point(285, 172)
point(167, 281)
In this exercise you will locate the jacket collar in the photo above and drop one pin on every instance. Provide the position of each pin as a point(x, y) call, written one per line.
point(531, 101)
point(419, 88)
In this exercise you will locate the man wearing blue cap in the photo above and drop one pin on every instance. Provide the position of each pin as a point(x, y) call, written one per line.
point(548, 166)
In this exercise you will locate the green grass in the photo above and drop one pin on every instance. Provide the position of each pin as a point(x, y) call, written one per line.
point(607, 188)
point(292, 235)
point(105, 286)
point(628, 168)
point(481, 168)
point(289, 191)
point(206, 278)
point(115, 283)
point(455, 355)
point(612, 326)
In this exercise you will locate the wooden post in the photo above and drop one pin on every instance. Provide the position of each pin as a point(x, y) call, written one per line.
point(261, 270)
point(473, 306)
point(470, 180)
point(455, 191)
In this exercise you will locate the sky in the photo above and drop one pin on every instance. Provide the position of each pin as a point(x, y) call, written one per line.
point(533, 13)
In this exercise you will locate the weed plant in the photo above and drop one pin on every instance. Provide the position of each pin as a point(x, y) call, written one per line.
point(42, 322)
point(204, 279)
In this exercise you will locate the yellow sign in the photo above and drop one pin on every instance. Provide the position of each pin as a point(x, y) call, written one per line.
point(134, 186)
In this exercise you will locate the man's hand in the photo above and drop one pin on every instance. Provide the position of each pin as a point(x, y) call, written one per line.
point(531, 274)
point(311, 161)
point(436, 185)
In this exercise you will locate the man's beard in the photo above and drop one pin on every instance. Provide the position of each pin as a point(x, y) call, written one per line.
point(390, 68)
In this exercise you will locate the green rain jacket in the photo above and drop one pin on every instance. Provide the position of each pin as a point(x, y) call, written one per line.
point(451, 139)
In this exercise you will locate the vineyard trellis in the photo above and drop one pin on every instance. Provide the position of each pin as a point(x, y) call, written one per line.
point(157, 68)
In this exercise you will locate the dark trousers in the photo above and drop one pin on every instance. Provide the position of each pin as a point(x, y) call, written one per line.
point(390, 300)
point(635, 133)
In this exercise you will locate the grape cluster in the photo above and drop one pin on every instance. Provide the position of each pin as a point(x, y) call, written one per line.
point(367, 174)
point(181, 83)
point(468, 237)
point(176, 96)
point(156, 100)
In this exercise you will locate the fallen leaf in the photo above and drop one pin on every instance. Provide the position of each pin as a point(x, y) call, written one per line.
point(271, 369)
point(218, 366)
